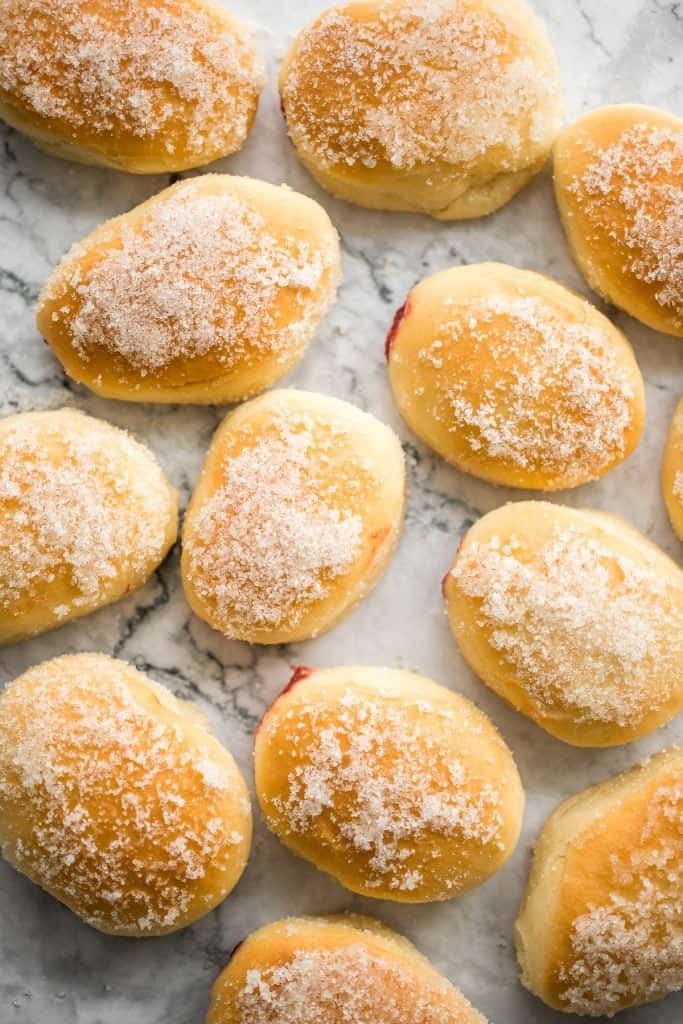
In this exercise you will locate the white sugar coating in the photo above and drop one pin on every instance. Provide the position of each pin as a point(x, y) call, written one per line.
point(585, 628)
point(643, 172)
point(79, 499)
point(678, 485)
point(153, 68)
point(201, 275)
point(349, 985)
point(104, 802)
point(631, 947)
point(420, 82)
point(551, 395)
point(274, 537)
point(375, 774)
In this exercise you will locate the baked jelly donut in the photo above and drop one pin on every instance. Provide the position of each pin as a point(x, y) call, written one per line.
point(86, 516)
point(147, 86)
point(512, 378)
point(619, 187)
point(296, 514)
point(672, 472)
point(398, 787)
point(574, 618)
point(447, 108)
point(209, 293)
point(600, 926)
point(116, 798)
point(333, 970)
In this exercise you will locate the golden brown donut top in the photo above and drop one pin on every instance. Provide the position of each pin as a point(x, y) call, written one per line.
point(172, 70)
point(197, 274)
point(631, 191)
point(104, 801)
point(627, 944)
point(418, 82)
point(76, 496)
point(283, 523)
point(581, 623)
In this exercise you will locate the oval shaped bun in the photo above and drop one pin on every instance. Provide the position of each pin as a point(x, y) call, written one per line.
point(86, 516)
point(600, 927)
point(147, 86)
point(574, 618)
point(619, 187)
point(447, 108)
point(209, 292)
point(296, 514)
point(116, 798)
point(672, 472)
point(398, 787)
point(515, 379)
point(338, 969)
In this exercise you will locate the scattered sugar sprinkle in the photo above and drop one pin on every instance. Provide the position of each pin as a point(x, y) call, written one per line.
point(80, 499)
point(585, 628)
point(375, 775)
point(642, 172)
point(201, 276)
point(162, 67)
point(434, 80)
point(277, 533)
point(631, 948)
point(125, 819)
point(678, 485)
point(350, 985)
point(555, 397)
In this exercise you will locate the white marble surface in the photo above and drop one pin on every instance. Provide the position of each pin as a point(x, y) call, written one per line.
point(55, 970)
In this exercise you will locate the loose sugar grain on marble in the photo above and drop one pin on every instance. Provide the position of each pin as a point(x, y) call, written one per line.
point(632, 946)
point(573, 622)
point(91, 511)
point(421, 82)
point(350, 985)
point(643, 171)
point(385, 782)
point(116, 764)
point(201, 276)
point(108, 70)
point(269, 543)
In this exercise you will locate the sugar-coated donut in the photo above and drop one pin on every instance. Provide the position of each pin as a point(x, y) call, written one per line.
point(574, 618)
point(116, 798)
point(398, 787)
point(209, 292)
point(619, 187)
point(448, 107)
point(601, 926)
point(295, 516)
point(342, 969)
point(145, 86)
point(515, 379)
point(672, 472)
point(86, 516)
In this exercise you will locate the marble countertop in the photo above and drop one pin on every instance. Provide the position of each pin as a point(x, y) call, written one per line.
point(55, 970)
